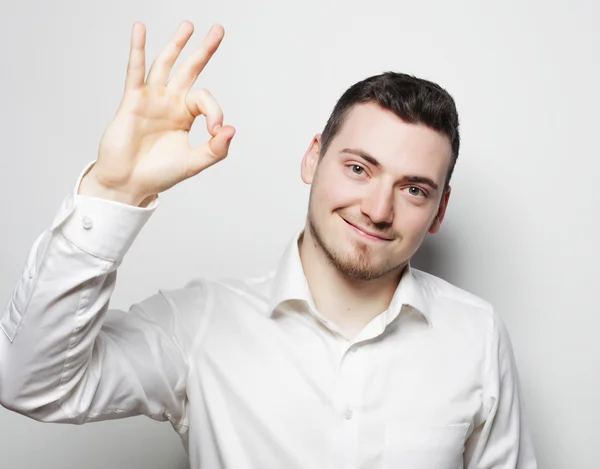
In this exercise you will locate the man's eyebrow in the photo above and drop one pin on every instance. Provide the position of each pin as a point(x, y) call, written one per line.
point(422, 180)
point(373, 161)
point(364, 155)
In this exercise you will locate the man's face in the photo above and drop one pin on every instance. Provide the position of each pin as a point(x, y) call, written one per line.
point(377, 191)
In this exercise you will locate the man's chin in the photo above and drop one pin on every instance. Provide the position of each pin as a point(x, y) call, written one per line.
point(361, 274)
point(365, 268)
point(358, 269)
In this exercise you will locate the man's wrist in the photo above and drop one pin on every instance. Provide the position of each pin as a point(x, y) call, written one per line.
point(91, 187)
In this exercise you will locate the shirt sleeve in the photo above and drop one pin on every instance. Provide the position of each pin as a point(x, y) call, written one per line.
point(503, 441)
point(64, 355)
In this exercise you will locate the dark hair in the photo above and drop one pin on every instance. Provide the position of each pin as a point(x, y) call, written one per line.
point(414, 100)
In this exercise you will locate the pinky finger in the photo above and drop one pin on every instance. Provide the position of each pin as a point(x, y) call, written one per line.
point(136, 68)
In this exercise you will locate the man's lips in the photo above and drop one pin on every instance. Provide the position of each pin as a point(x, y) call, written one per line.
point(367, 232)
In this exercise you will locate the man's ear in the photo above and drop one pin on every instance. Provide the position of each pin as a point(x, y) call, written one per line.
point(439, 216)
point(311, 160)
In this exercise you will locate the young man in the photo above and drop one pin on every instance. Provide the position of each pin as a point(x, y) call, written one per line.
point(344, 357)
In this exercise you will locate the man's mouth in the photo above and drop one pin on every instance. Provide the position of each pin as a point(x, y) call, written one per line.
point(366, 233)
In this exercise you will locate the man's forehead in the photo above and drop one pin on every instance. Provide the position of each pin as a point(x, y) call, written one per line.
point(398, 146)
point(371, 119)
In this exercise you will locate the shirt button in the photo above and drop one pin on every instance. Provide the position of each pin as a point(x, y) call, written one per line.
point(348, 413)
point(87, 222)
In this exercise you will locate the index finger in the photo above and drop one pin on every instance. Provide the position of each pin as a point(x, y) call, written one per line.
point(187, 73)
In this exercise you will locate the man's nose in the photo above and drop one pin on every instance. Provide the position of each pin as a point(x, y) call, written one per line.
point(378, 204)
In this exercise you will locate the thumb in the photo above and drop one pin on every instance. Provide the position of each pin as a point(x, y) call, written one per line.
point(212, 151)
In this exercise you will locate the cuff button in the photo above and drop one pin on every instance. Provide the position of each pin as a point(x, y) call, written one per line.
point(87, 222)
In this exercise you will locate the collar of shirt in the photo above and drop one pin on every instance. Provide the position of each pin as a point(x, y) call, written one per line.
point(289, 283)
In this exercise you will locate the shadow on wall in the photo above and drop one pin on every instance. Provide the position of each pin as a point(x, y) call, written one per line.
point(183, 463)
point(438, 255)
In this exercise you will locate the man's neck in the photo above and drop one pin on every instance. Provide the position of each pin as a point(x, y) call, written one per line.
point(349, 303)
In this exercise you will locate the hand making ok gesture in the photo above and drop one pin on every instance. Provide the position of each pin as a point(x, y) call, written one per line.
point(145, 149)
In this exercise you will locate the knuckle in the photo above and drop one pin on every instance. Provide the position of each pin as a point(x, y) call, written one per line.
point(192, 72)
point(207, 48)
point(203, 93)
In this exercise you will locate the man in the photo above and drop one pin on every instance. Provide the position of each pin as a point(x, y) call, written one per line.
point(345, 356)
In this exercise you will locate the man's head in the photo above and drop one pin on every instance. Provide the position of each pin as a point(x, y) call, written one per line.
point(382, 164)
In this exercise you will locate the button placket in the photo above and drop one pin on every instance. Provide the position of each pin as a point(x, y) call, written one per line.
point(349, 389)
point(348, 384)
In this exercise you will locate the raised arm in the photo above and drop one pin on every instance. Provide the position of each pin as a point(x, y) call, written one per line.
point(64, 355)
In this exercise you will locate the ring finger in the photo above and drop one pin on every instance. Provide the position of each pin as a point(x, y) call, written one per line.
point(161, 68)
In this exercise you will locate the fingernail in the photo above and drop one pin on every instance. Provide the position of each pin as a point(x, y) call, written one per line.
point(216, 127)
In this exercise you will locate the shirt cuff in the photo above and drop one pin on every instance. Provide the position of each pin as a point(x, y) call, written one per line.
point(103, 228)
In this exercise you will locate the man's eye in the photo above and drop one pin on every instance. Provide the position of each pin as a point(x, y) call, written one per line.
point(414, 190)
point(357, 169)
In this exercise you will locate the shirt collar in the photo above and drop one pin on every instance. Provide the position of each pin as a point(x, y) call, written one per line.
point(290, 283)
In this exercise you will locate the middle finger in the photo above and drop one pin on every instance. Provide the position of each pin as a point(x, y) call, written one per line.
point(187, 73)
point(159, 72)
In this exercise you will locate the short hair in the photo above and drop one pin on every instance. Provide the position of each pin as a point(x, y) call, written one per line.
point(414, 100)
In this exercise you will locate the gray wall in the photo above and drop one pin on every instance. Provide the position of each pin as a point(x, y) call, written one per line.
point(521, 229)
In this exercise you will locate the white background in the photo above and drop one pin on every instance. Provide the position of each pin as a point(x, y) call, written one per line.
point(521, 228)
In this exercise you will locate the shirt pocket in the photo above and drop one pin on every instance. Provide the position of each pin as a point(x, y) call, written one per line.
point(424, 446)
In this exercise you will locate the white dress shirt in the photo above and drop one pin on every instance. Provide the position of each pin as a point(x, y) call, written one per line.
point(248, 372)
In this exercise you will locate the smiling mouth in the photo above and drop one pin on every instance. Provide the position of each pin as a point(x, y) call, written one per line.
point(366, 234)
